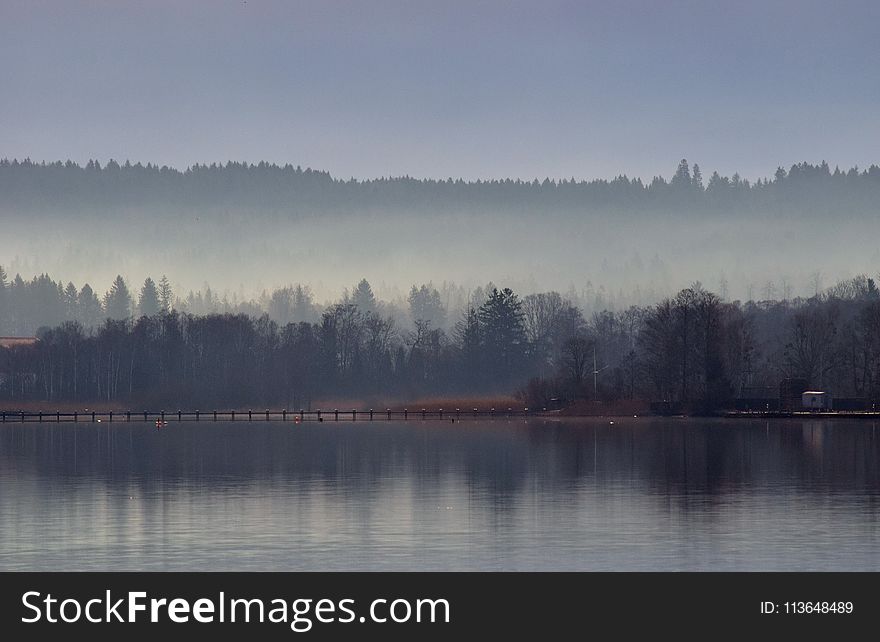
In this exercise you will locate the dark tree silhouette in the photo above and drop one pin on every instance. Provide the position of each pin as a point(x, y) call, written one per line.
point(691, 348)
point(117, 301)
point(148, 303)
point(503, 332)
point(89, 310)
point(363, 298)
point(166, 296)
point(425, 304)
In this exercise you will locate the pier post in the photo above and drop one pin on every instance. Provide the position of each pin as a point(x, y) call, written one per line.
point(74, 416)
point(22, 417)
point(93, 416)
point(371, 414)
point(250, 415)
point(354, 414)
point(475, 413)
point(319, 415)
point(284, 415)
point(128, 415)
point(423, 413)
point(336, 412)
point(145, 415)
point(405, 413)
point(179, 415)
point(232, 415)
point(41, 417)
point(58, 417)
point(267, 414)
point(388, 410)
point(302, 414)
point(111, 417)
point(458, 413)
point(215, 415)
point(197, 415)
point(161, 416)
point(441, 413)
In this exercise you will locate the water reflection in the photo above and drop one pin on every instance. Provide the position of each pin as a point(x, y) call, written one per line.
point(636, 494)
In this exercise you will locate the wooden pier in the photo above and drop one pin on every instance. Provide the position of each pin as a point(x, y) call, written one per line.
point(296, 416)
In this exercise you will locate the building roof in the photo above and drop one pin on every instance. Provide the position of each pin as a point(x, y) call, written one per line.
point(9, 342)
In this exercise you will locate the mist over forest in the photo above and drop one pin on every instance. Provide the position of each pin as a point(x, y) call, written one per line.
point(238, 232)
point(268, 284)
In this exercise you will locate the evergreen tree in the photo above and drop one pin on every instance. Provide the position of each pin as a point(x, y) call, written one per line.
point(117, 302)
point(148, 304)
point(504, 335)
point(363, 297)
point(166, 296)
point(89, 310)
point(697, 180)
point(682, 178)
point(468, 338)
point(70, 297)
point(425, 305)
point(779, 176)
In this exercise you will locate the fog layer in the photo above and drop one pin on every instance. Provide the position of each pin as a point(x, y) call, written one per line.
point(243, 230)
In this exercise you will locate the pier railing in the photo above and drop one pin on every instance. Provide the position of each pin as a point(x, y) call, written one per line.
point(334, 414)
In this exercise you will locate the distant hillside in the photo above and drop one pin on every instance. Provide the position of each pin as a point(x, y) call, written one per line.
point(245, 230)
point(803, 189)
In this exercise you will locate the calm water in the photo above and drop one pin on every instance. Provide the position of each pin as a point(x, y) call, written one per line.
point(641, 494)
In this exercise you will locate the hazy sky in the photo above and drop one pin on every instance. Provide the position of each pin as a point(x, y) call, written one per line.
point(476, 89)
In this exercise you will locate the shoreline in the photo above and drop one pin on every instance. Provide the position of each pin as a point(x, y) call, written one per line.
point(446, 409)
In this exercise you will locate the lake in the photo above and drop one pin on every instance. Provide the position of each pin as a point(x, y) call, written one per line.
point(536, 494)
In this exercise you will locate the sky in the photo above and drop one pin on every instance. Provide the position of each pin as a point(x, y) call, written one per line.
point(444, 89)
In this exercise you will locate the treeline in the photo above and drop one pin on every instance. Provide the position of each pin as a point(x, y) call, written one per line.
point(27, 305)
point(231, 359)
point(692, 348)
point(800, 190)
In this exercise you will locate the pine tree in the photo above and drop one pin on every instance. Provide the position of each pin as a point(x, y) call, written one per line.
point(468, 338)
point(363, 297)
point(697, 180)
point(504, 335)
point(166, 296)
point(70, 300)
point(148, 304)
point(117, 302)
point(682, 176)
point(779, 176)
point(88, 308)
point(425, 304)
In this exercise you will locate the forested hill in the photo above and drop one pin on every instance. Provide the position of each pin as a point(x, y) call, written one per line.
point(802, 190)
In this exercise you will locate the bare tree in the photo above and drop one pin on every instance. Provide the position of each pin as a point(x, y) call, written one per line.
point(577, 360)
point(809, 353)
